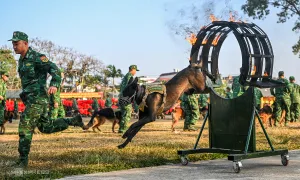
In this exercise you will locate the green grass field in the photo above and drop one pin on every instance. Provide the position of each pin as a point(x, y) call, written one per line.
point(75, 152)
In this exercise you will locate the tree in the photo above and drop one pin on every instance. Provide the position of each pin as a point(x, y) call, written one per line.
point(112, 72)
point(8, 63)
point(259, 9)
point(76, 65)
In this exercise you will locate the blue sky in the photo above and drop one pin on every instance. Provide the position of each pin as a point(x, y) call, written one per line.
point(129, 32)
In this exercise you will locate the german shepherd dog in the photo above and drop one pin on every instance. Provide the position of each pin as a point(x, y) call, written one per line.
point(267, 116)
point(7, 116)
point(100, 117)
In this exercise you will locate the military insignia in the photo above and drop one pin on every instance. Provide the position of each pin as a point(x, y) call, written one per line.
point(28, 64)
point(15, 34)
point(44, 59)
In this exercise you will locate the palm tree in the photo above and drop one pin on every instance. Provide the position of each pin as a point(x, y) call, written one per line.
point(113, 72)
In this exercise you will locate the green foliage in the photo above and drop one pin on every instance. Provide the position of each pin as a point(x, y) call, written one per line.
point(259, 9)
point(8, 63)
point(112, 72)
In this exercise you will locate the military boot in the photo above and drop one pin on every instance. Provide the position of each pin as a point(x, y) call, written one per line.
point(76, 121)
point(191, 128)
point(21, 163)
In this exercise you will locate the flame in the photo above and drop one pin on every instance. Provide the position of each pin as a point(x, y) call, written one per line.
point(216, 40)
point(204, 41)
point(253, 71)
point(213, 18)
point(192, 39)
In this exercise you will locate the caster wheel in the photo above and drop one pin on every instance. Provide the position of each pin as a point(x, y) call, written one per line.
point(184, 160)
point(237, 166)
point(285, 159)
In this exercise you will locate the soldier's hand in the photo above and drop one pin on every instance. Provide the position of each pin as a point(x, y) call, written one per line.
point(52, 90)
point(56, 105)
point(1, 98)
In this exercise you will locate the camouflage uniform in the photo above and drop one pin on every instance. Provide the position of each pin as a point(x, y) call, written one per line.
point(202, 101)
point(16, 109)
point(2, 102)
point(95, 105)
point(237, 88)
point(74, 105)
point(108, 102)
point(283, 100)
point(258, 95)
point(191, 109)
point(125, 110)
point(33, 69)
point(56, 112)
point(228, 95)
point(295, 99)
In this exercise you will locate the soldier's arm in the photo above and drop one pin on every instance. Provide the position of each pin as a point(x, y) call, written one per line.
point(272, 91)
point(44, 64)
point(56, 97)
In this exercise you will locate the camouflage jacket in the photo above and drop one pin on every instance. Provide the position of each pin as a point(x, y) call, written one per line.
point(124, 82)
point(237, 88)
point(33, 70)
point(108, 102)
point(282, 92)
point(228, 95)
point(2, 90)
point(295, 93)
point(95, 104)
point(202, 101)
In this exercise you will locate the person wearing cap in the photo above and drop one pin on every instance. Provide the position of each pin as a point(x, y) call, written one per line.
point(3, 80)
point(56, 106)
point(295, 98)
point(126, 110)
point(33, 68)
point(282, 99)
point(108, 102)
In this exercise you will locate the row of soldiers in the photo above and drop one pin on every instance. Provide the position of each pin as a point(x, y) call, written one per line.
point(287, 98)
point(191, 104)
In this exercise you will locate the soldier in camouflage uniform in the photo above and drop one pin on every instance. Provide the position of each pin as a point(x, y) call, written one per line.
point(33, 68)
point(237, 88)
point(191, 110)
point(283, 99)
point(3, 80)
point(228, 93)
point(126, 110)
point(258, 95)
point(295, 98)
point(202, 101)
point(95, 105)
point(56, 106)
point(108, 102)
point(16, 109)
point(75, 106)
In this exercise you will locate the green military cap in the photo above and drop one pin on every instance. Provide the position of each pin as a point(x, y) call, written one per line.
point(292, 78)
point(18, 36)
point(133, 67)
point(280, 73)
point(2, 72)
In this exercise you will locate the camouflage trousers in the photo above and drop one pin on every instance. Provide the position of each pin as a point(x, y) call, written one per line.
point(2, 108)
point(280, 105)
point(58, 112)
point(295, 112)
point(126, 116)
point(191, 117)
point(36, 115)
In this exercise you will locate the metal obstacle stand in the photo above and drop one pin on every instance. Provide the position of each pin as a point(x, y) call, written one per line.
point(232, 130)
